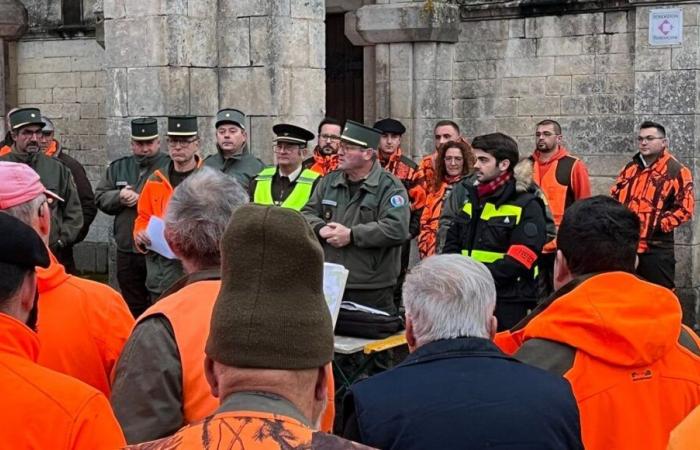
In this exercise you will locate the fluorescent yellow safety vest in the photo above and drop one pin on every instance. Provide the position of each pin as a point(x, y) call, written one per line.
point(295, 200)
point(490, 211)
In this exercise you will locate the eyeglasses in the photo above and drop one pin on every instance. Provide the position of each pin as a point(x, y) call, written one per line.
point(457, 159)
point(642, 139)
point(330, 137)
point(545, 134)
point(285, 148)
point(180, 142)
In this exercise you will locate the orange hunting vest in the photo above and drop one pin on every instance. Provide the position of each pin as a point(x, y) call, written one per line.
point(557, 190)
point(189, 313)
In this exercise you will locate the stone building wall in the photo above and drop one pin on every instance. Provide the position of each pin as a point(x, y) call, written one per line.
point(505, 65)
point(62, 74)
point(598, 76)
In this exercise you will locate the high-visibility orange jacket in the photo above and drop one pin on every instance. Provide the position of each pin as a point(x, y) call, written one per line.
point(686, 436)
point(249, 430)
point(320, 163)
point(43, 409)
point(563, 179)
point(634, 370)
point(425, 175)
point(82, 326)
point(661, 195)
point(5, 149)
point(430, 217)
point(189, 313)
point(154, 198)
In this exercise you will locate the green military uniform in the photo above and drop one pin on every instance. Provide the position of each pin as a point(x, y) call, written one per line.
point(126, 171)
point(243, 166)
point(66, 216)
point(130, 171)
point(378, 216)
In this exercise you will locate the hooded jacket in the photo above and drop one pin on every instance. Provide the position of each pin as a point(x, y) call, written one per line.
point(82, 326)
point(635, 371)
point(506, 231)
point(45, 409)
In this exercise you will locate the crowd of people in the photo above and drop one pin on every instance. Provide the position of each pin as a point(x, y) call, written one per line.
point(539, 316)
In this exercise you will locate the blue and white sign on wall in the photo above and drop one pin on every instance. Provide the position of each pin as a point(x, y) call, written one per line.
point(666, 26)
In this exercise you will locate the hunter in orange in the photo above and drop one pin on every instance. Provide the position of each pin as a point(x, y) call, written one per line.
point(634, 369)
point(444, 131)
point(82, 325)
point(454, 161)
point(324, 158)
point(270, 340)
point(159, 383)
point(562, 177)
point(41, 408)
point(183, 146)
point(659, 189)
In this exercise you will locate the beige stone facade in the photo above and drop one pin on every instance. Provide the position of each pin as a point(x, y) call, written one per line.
point(489, 65)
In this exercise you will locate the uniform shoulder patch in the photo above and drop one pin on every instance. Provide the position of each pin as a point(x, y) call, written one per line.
point(397, 201)
point(530, 229)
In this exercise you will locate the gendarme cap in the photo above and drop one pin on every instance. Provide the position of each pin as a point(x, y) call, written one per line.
point(25, 116)
point(182, 126)
point(292, 134)
point(230, 115)
point(144, 129)
point(360, 134)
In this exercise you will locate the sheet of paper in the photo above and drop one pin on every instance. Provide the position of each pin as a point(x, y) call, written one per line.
point(334, 278)
point(155, 230)
point(352, 306)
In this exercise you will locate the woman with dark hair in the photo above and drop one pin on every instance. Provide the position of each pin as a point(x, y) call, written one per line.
point(454, 160)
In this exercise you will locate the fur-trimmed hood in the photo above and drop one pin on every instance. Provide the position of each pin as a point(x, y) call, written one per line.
point(522, 172)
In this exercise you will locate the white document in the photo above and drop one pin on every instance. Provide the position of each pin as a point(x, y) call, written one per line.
point(334, 278)
point(155, 231)
point(352, 306)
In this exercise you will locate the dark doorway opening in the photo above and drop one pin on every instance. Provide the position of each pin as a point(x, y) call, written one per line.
point(344, 73)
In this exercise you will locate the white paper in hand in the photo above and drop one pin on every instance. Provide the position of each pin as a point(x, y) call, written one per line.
point(155, 230)
point(334, 278)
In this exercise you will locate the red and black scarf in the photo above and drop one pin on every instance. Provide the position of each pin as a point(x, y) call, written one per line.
point(486, 189)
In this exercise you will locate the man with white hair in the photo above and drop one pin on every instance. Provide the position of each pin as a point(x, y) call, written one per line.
point(456, 389)
point(158, 383)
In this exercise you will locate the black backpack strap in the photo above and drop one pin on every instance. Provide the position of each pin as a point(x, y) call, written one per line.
point(565, 167)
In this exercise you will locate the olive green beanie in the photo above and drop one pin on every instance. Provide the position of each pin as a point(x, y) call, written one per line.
point(270, 312)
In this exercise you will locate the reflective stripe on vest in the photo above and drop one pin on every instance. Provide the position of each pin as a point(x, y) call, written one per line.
point(489, 212)
point(296, 199)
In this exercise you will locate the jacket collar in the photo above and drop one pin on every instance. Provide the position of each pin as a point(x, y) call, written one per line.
point(371, 180)
point(17, 339)
point(264, 402)
point(52, 276)
point(454, 348)
point(664, 156)
point(244, 151)
point(191, 278)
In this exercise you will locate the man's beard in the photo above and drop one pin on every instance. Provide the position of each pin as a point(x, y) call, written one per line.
point(32, 148)
point(34, 312)
point(326, 151)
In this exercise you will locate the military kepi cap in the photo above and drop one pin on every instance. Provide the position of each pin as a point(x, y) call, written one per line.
point(20, 245)
point(292, 134)
point(229, 115)
point(182, 126)
point(144, 129)
point(359, 134)
point(25, 116)
point(389, 125)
